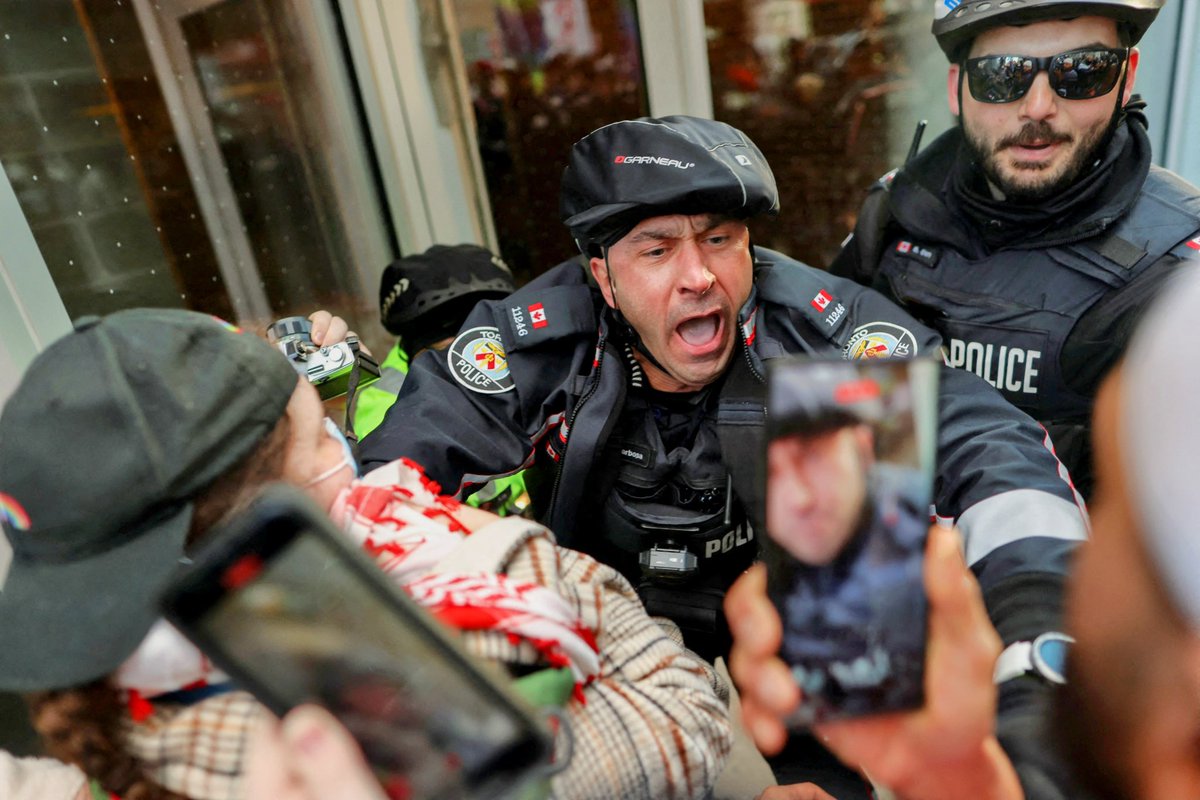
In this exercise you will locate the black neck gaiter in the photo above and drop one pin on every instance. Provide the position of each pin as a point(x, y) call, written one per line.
point(1101, 194)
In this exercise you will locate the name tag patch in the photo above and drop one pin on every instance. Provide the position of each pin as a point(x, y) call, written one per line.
point(916, 252)
point(634, 453)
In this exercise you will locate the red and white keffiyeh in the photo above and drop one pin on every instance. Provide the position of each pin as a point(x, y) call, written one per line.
point(398, 516)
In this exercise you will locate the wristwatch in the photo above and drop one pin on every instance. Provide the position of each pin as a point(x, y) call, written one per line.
point(1045, 656)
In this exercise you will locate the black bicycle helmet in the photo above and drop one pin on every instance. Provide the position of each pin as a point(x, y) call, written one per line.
point(424, 298)
point(628, 171)
point(957, 22)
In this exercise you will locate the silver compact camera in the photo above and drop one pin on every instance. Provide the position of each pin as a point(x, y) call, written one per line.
point(330, 369)
point(668, 563)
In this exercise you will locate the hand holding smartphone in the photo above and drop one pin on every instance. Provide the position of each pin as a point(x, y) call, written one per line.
point(850, 452)
point(286, 605)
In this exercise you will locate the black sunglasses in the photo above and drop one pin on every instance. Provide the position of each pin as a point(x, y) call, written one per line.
point(1073, 75)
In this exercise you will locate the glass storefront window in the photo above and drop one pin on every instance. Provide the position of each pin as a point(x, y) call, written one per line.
point(543, 73)
point(190, 153)
point(830, 92)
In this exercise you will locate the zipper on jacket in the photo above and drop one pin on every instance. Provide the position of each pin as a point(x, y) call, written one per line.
point(746, 352)
point(562, 458)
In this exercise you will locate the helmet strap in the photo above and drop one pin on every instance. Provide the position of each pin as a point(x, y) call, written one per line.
point(612, 285)
point(962, 76)
point(1119, 106)
point(635, 338)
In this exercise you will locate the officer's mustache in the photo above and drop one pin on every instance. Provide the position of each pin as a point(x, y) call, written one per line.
point(1032, 134)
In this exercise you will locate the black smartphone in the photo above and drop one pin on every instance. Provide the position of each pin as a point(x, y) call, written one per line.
point(283, 602)
point(850, 449)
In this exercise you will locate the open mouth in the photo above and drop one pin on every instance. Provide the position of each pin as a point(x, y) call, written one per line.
point(700, 333)
point(1035, 148)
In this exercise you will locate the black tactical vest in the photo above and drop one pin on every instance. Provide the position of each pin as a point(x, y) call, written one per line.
point(1009, 317)
point(670, 519)
point(668, 499)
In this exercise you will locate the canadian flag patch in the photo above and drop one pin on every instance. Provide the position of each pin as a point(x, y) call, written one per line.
point(1194, 243)
point(822, 300)
point(904, 247)
point(537, 315)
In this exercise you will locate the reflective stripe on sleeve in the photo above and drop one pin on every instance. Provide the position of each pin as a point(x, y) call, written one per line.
point(1018, 514)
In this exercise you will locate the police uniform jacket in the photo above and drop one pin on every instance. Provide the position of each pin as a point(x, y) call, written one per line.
point(538, 380)
point(1039, 301)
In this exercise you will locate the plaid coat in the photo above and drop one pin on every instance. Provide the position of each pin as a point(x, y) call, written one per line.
point(652, 722)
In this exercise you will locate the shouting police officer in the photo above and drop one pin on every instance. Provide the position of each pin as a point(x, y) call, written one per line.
point(637, 396)
point(623, 388)
point(1033, 234)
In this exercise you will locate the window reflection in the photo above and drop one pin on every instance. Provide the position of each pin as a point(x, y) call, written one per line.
point(191, 153)
point(544, 73)
point(89, 149)
point(256, 82)
point(824, 89)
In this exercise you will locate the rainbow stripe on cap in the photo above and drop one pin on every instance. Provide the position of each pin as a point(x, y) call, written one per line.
point(12, 511)
point(229, 326)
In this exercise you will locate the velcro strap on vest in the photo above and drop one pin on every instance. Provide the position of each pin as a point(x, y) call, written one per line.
point(1120, 251)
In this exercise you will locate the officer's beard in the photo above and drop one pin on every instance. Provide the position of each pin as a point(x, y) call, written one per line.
point(987, 155)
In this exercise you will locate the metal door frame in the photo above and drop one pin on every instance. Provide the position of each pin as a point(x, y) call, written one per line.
point(675, 56)
point(410, 70)
point(351, 180)
point(423, 138)
point(159, 20)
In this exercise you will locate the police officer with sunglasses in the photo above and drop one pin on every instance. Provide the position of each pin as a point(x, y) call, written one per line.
point(1033, 235)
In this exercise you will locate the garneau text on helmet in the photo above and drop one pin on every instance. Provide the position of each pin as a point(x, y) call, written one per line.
point(659, 160)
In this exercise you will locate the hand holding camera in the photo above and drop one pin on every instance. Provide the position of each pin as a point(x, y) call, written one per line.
point(341, 366)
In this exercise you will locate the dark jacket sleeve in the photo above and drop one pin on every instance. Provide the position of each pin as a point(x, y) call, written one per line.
point(1021, 607)
point(464, 435)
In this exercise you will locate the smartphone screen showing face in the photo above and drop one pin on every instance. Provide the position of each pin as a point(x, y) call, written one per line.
point(290, 610)
point(850, 453)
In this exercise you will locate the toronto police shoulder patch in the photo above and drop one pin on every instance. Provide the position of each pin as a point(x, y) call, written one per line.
point(880, 340)
point(478, 361)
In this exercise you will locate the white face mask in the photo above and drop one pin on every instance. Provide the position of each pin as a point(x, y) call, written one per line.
point(164, 662)
point(347, 459)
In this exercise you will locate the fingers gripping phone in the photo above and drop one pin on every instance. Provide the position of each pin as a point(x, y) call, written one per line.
point(285, 604)
point(850, 453)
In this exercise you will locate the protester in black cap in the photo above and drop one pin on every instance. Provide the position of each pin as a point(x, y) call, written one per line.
point(128, 439)
point(125, 440)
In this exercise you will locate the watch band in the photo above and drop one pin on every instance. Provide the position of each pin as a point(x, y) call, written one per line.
point(1045, 657)
point(1014, 662)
